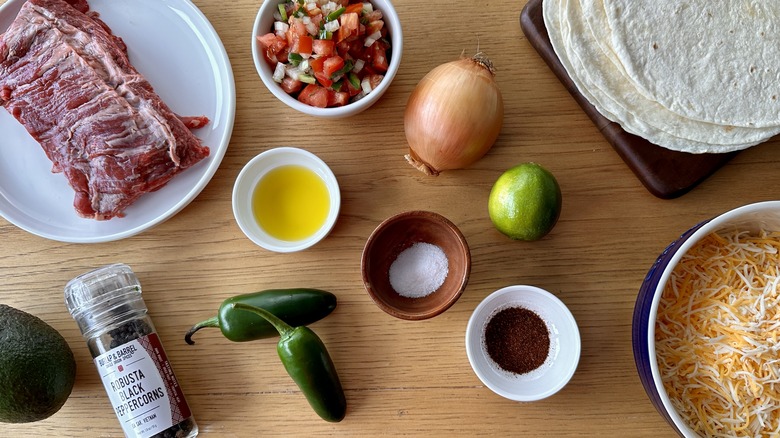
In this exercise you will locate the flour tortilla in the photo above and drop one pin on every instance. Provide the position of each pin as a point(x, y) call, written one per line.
point(581, 37)
point(558, 31)
point(713, 61)
point(595, 61)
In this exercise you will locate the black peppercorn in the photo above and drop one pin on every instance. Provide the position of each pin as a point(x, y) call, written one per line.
point(128, 353)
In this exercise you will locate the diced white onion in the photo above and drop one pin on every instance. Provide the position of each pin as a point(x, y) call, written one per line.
point(279, 72)
point(368, 8)
point(281, 27)
point(358, 65)
point(365, 85)
point(373, 38)
point(293, 72)
point(332, 26)
point(329, 7)
point(304, 65)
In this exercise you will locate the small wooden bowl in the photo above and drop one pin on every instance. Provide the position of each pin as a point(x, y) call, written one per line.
point(396, 234)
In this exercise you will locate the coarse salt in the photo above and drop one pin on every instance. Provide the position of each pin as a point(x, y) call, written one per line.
point(419, 270)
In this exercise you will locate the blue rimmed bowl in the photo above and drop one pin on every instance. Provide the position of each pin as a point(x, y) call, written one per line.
point(752, 217)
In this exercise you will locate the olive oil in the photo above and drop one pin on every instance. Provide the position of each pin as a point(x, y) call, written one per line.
point(291, 202)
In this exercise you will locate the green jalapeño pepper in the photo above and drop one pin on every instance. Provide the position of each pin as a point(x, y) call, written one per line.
point(294, 306)
point(307, 361)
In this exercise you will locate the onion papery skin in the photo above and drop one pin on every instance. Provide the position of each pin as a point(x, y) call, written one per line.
point(453, 116)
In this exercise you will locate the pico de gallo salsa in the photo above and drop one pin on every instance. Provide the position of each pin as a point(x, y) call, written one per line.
point(327, 53)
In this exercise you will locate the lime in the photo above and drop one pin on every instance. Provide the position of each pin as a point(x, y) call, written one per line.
point(525, 202)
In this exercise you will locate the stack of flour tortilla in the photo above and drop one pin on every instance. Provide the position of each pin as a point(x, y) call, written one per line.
point(694, 76)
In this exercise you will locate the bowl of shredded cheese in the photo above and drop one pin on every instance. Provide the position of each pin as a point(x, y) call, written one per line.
point(706, 326)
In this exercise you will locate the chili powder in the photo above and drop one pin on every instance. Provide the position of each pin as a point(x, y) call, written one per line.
point(517, 339)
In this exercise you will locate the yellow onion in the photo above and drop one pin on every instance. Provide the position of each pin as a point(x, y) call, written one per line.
point(454, 115)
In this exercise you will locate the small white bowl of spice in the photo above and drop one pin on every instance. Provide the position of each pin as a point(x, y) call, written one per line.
point(415, 265)
point(523, 343)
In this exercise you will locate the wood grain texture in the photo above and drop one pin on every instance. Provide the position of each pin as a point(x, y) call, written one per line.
point(402, 378)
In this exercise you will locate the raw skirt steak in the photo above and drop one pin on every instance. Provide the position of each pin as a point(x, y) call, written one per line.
point(68, 80)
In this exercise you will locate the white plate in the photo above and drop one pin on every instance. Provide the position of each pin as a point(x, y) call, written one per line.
point(173, 44)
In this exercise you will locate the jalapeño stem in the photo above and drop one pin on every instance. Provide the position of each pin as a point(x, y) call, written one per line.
point(211, 322)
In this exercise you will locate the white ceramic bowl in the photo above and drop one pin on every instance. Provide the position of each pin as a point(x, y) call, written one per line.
point(263, 24)
point(564, 355)
point(251, 174)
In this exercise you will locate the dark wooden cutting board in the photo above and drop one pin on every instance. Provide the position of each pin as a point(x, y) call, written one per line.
point(666, 174)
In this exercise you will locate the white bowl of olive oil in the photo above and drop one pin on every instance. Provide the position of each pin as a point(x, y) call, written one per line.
point(286, 199)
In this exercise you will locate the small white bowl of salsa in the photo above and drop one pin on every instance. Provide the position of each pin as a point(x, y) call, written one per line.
point(325, 59)
point(286, 199)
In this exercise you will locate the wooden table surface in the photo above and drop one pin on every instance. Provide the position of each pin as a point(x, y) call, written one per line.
point(400, 377)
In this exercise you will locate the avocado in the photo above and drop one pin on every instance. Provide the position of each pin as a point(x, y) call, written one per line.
point(37, 367)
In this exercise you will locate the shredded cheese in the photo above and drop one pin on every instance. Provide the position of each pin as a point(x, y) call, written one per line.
point(718, 333)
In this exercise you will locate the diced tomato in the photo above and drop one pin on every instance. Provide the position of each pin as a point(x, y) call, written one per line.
point(353, 49)
point(297, 26)
point(374, 26)
point(317, 64)
point(378, 57)
point(314, 95)
point(332, 65)
point(292, 38)
point(357, 49)
point(348, 26)
point(352, 91)
point(374, 80)
point(324, 47)
point(290, 85)
point(374, 15)
point(323, 79)
point(316, 20)
point(273, 46)
point(318, 67)
point(304, 46)
point(313, 12)
point(356, 8)
point(297, 29)
point(368, 70)
point(338, 98)
point(342, 48)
